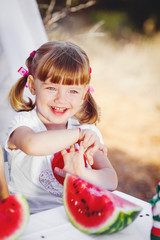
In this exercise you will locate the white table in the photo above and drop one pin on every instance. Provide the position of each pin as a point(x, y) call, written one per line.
point(54, 225)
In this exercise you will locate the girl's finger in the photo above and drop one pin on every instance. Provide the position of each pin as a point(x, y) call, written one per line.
point(86, 136)
point(63, 152)
point(89, 141)
point(103, 148)
point(72, 149)
point(59, 172)
point(89, 158)
point(89, 155)
point(93, 148)
point(81, 148)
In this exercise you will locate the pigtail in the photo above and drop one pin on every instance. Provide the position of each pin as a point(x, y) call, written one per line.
point(16, 99)
point(89, 112)
point(28, 62)
point(15, 96)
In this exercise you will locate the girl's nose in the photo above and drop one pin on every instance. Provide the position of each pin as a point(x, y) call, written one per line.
point(60, 97)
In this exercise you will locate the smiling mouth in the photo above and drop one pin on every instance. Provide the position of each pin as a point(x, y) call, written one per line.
point(59, 109)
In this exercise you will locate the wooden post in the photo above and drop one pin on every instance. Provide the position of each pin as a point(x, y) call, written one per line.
point(4, 193)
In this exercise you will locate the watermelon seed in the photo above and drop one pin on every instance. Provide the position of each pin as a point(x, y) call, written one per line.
point(42, 236)
point(74, 185)
point(87, 214)
point(3, 201)
point(77, 192)
point(83, 200)
point(76, 203)
point(87, 208)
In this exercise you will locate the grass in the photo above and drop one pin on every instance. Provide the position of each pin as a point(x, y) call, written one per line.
point(114, 22)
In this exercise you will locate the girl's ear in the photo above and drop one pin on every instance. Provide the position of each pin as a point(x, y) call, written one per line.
point(31, 84)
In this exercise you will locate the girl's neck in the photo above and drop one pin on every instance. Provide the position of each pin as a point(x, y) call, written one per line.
point(56, 126)
point(50, 126)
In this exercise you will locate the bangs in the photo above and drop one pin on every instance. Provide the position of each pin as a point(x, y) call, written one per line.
point(67, 67)
point(65, 77)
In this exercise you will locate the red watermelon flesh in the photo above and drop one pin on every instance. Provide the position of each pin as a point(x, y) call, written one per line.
point(95, 210)
point(58, 161)
point(14, 215)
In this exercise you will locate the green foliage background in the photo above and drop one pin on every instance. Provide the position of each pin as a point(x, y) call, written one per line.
point(117, 13)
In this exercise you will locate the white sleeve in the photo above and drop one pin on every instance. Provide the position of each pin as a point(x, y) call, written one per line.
point(93, 128)
point(20, 119)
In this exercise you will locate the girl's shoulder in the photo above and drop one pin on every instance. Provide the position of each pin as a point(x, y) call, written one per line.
point(25, 114)
point(26, 118)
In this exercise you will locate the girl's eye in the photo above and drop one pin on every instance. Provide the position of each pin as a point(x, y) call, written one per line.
point(51, 88)
point(73, 91)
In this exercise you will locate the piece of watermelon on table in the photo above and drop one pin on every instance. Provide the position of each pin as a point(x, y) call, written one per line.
point(14, 216)
point(94, 210)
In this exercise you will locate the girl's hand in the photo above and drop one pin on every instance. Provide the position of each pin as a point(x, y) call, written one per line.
point(91, 144)
point(73, 161)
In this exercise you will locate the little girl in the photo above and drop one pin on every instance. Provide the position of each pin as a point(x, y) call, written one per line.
point(64, 113)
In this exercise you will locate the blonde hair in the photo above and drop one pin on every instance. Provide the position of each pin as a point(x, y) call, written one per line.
point(61, 62)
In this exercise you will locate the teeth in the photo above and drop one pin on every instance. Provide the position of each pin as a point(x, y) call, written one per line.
point(59, 108)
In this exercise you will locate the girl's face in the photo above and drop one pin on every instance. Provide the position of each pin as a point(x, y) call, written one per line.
point(56, 103)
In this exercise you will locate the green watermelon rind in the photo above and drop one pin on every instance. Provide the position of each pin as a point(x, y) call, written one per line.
point(114, 225)
point(26, 213)
point(120, 225)
point(24, 202)
point(127, 216)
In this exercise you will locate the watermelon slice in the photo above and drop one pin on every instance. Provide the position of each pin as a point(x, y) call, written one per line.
point(58, 161)
point(94, 210)
point(14, 215)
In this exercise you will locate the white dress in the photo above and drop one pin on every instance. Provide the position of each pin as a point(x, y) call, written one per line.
point(32, 175)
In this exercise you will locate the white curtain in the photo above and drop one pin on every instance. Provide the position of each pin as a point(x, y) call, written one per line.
point(21, 32)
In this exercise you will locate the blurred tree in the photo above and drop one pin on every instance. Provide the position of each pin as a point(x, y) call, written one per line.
point(138, 11)
point(53, 11)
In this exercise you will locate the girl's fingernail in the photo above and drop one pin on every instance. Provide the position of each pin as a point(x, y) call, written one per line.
point(84, 145)
point(91, 162)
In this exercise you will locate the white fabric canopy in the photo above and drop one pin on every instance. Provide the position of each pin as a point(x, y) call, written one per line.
point(21, 31)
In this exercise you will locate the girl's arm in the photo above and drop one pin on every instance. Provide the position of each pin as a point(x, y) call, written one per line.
point(42, 143)
point(4, 193)
point(102, 172)
point(51, 141)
